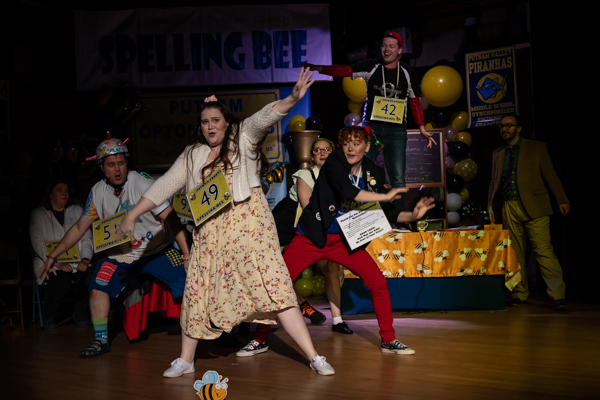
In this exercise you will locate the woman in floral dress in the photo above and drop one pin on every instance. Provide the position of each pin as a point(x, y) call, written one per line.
point(236, 272)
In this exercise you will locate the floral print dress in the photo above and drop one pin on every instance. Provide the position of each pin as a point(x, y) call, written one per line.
point(236, 270)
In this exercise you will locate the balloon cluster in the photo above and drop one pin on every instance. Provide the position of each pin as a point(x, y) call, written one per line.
point(299, 123)
point(310, 284)
point(442, 86)
point(356, 90)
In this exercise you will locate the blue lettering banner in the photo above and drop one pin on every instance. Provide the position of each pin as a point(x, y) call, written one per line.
point(200, 46)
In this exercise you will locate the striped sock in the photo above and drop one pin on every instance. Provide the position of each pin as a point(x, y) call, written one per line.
point(101, 329)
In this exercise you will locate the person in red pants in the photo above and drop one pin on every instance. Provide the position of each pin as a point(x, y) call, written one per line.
point(347, 177)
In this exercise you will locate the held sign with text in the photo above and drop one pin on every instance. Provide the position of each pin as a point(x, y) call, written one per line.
point(491, 85)
point(200, 46)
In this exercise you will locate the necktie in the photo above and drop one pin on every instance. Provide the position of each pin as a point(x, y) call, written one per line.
point(508, 178)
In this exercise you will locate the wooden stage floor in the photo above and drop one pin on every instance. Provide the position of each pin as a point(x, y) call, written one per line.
point(529, 352)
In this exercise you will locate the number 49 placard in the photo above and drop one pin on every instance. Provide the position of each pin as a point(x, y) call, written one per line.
point(209, 197)
point(106, 232)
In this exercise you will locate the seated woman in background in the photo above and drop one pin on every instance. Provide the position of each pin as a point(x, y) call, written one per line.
point(49, 223)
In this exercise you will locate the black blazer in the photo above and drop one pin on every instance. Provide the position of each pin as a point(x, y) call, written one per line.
point(332, 187)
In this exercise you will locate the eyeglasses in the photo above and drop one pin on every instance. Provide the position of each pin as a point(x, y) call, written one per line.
point(507, 126)
point(325, 150)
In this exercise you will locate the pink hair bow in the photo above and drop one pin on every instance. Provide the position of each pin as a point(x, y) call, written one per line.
point(211, 98)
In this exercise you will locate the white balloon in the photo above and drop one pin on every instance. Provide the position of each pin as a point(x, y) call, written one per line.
point(453, 218)
point(454, 202)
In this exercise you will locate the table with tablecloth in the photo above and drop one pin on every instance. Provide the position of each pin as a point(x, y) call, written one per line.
point(452, 269)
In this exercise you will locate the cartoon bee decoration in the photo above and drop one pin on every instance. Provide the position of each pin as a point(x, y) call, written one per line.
point(212, 386)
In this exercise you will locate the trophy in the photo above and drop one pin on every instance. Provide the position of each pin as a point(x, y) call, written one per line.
point(302, 141)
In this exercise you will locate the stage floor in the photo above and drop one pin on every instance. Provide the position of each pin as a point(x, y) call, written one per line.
point(528, 352)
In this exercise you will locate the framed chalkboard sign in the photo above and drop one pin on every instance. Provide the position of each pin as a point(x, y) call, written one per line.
point(425, 166)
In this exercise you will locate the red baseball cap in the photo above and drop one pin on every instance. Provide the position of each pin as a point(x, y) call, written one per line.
point(396, 36)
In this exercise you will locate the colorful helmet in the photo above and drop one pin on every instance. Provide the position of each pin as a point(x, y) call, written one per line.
point(110, 147)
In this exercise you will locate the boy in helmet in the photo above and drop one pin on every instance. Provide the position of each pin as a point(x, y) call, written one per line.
point(148, 252)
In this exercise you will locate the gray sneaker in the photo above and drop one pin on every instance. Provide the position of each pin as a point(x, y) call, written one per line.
point(319, 364)
point(178, 368)
point(252, 349)
point(396, 347)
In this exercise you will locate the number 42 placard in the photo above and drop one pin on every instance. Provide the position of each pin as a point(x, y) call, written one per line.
point(106, 233)
point(209, 197)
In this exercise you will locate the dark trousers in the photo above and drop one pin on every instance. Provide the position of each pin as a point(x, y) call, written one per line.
point(59, 286)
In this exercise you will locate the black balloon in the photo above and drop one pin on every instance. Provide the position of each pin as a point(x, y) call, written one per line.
point(468, 210)
point(440, 117)
point(454, 183)
point(458, 150)
point(314, 124)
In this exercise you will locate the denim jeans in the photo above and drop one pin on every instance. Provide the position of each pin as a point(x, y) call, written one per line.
point(393, 137)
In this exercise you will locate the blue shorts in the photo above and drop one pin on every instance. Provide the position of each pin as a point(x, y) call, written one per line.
point(112, 276)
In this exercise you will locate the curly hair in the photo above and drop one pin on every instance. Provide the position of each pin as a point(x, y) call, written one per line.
point(358, 133)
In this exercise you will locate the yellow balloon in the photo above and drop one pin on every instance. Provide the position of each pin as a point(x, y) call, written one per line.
point(296, 119)
point(298, 126)
point(356, 106)
point(355, 89)
point(460, 119)
point(466, 169)
point(442, 86)
point(465, 137)
point(464, 194)
point(431, 125)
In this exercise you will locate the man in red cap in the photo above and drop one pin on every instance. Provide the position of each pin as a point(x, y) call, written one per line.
point(392, 87)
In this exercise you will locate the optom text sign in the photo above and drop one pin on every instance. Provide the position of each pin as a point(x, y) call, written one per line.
point(69, 256)
point(182, 206)
point(106, 232)
point(209, 197)
point(425, 165)
point(363, 224)
point(160, 135)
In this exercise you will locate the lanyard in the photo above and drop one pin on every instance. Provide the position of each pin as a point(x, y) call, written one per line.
point(383, 77)
point(357, 177)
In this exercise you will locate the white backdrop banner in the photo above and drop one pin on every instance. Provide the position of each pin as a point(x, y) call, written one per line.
point(200, 46)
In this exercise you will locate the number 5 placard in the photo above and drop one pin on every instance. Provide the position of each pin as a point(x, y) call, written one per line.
point(106, 232)
point(209, 197)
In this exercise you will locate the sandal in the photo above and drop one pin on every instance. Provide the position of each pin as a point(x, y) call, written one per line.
point(95, 349)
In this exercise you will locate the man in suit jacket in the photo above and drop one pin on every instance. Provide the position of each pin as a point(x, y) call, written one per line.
point(522, 173)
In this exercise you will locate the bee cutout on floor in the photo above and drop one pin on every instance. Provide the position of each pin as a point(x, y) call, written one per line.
point(212, 386)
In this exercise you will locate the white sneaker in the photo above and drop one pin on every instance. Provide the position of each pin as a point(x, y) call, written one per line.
point(319, 364)
point(178, 368)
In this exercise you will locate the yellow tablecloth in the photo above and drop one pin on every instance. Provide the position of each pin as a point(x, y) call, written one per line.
point(445, 254)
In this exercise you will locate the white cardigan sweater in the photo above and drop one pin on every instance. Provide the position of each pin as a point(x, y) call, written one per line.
point(44, 226)
point(245, 165)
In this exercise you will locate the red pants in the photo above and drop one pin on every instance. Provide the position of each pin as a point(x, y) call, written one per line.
point(302, 253)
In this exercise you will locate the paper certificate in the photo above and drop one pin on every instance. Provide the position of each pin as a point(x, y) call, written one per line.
point(106, 232)
point(69, 256)
point(363, 224)
point(209, 197)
